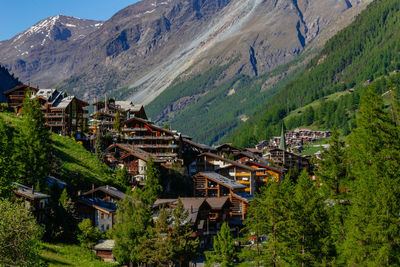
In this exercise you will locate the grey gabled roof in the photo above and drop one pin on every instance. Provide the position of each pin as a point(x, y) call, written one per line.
point(107, 244)
point(218, 178)
point(27, 192)
point(112, 191)
point(98, 203)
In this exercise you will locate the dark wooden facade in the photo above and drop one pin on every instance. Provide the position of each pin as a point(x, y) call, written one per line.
point(16, 95)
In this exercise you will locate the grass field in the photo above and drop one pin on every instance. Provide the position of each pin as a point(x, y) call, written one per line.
point(72, 163)
point(71, 255)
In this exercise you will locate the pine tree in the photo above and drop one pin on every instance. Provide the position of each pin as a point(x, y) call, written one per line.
point(267, 216)
point(152, 188)
point(7, 170)
point(374, 151)
point(122, 176)
point(332, 172)
point(117, 121)
point(33, 144)
point(184, 247)
point(224, 248)
point(307, 226)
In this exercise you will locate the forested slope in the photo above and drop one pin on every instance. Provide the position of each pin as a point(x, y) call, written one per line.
point(362, 52)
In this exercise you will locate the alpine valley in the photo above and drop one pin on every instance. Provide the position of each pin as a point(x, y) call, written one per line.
point(192, 62)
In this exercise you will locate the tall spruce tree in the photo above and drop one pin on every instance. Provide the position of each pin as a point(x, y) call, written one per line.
point(373, 228)
point(7, 170)
point(152, 188)
point(33, 144)
point(332, 172)
point(307, 227)
point(267, 216)
point(117, 121)
point(224, 248)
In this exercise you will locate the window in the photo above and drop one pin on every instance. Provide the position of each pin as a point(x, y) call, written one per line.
point(102, 215)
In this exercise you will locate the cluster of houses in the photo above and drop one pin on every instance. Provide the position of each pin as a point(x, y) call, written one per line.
point(224, 178)
point(297, 138)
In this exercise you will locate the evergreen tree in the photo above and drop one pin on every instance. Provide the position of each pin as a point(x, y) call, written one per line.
point(224, 248)
point(19, 236)
point(117, 121)
point(33, 144)
point(373, 235)
point(152, 188)
point(184, 247)
point(332, 172)
point(158, 249)
point(88, 234)
point(267, 216)
point(307, 227)
point(122, 176)
point(134, 224)
point(7, 170)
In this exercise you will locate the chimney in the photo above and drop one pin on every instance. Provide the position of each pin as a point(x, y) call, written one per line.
point(191, 209)
point(79, 193)
point(33, 191)
point(92, 190)
point(107, 187)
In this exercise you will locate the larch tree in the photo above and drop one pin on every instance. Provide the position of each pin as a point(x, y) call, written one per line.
point(7, 170)
point(33, 144)
point(307, 228)
point(373, 227)
point(224, 252)
point(332, 173)
point(117, 121)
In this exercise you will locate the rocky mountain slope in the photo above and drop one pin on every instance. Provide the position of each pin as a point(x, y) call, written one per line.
point(145, 46)
point(38, 55)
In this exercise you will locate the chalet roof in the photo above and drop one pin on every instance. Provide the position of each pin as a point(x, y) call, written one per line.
point(218, 178)
point(254, 150)
point(21, 86)
point(265, 166)
point(25, 191)
point(63, 103)
point(243, 196)
point(148, 123)
point(232, 162)
point(199, 146)
point(49, 94)
point(137, 152)
point(97, 203)
point(112, 191)
point(190, 204)
point(107, 244)
point(51, 181)
point(128, 105)
point(217, 202)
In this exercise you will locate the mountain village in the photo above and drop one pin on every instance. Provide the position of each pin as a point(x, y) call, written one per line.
point(221, 180)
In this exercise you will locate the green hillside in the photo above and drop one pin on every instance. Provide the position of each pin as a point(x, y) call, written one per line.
point(362, 52)
point(71, 162)
point(223, 105)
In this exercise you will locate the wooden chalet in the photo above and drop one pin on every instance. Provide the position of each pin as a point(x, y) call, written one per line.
point(226, 149)
point(287, 160)
point(63, 114)
point(133, 158)
point(267, 173)
point(106, 110)
point(211, 184)
point(155, 140)
point(35, 200)
point(236, 171)
point(101, 212)
point(16, 95)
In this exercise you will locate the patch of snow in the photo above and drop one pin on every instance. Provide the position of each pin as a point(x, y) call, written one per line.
point(70, 25)
point(98, 24)
point(25, 53)
point(148, 12)
point(32, 46)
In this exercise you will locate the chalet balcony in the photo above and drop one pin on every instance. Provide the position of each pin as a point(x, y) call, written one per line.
point(134, 129)
point(156, 146)
point(55, 115)
point(148, 137)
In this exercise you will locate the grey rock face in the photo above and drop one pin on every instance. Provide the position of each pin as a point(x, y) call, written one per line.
point(147, 45)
